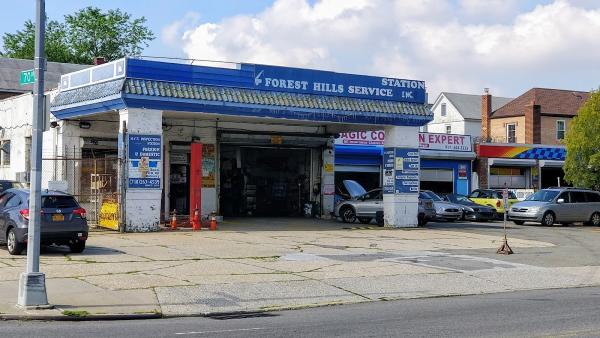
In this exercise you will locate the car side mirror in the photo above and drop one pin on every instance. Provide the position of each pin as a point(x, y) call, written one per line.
point(560, 201)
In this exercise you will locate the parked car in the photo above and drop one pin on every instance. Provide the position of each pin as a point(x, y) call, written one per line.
point(364, 206)
point(471, 210)
point(63, 220)
point(492, 198)
point(443, 210)
point(558, 205)
point(5, 185)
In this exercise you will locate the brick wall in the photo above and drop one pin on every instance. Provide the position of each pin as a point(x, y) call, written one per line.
point(548, 129)
point(532, 123)
point(486, 111)
point(498, 129)
point(482, 172)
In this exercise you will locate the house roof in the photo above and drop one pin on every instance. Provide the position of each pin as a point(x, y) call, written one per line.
point(469, 105)
point(10, 73)
point(551, 102)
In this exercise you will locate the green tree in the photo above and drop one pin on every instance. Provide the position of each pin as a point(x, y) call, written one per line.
point(87, 33)
point(582, 166)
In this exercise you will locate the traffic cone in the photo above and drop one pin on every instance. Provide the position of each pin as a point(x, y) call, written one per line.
point(196, 221)
point(213, 221)
point(174, 220)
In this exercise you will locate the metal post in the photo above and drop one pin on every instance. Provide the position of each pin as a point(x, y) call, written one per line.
point(32, 284)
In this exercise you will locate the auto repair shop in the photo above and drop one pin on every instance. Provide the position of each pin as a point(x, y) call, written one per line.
point(446, 160)
point(247, 140)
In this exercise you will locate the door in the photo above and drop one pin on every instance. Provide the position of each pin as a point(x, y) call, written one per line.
point(579, 210)
point(372, 203)
point(3, 216)
point(563, 210)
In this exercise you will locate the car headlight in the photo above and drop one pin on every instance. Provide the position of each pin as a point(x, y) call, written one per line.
point(468, 209)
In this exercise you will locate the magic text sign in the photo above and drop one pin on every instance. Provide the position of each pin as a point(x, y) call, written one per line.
point(427, 141)
point(307, 81)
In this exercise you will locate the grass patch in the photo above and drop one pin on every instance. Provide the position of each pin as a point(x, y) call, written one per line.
point(78, 314)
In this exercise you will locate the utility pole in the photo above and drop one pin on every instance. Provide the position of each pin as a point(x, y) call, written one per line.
point(32, 284)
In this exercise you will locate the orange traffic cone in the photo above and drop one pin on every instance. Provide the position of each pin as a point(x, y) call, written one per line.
point(196, 221)
point(174, 220)
point(213, 221)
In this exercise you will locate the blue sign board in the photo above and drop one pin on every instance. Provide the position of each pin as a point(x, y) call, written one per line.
point(317, 82)
point(406, 179)
point(400, 170)
point(388, 170)
point(144, 157)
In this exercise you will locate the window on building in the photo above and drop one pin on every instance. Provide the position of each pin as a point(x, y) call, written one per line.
point(443, 109)
point(5, 153)
point(560, 129)
point(448, 129)
point(511, 133)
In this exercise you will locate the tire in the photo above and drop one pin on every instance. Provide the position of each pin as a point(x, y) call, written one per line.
point(595, 219)
point(519, 222)
point(421, 221)
point(348, 215)
point(548, 219)
point(365, 220)
point(77, 247)
point(13, 246)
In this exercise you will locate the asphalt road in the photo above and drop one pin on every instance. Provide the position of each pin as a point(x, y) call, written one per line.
point(546, 313)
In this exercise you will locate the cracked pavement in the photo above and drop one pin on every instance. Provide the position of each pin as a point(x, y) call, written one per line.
point(257, 265)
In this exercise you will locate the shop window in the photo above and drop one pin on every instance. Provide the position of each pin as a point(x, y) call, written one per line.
point(560, 129)
point(444, 109)
point(5, 153)
point(504, 171)
point(511, 133)
point(448, 129)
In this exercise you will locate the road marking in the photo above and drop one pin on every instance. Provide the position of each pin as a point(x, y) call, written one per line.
point(220, 331)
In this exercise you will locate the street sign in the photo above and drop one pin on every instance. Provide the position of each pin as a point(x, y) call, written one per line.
point(27, 77)
point(505, 199)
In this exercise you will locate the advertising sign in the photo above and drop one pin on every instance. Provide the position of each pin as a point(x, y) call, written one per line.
point(208, 166)
point(400, 170)
point(462, 171)
point(427, 141)
point(144, 161)
point(318, 82)
point(406, 178)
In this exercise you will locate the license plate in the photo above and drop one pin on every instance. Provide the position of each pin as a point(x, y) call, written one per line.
point(58, 217)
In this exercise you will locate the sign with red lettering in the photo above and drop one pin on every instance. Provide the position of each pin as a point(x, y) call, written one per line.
point(427, 141)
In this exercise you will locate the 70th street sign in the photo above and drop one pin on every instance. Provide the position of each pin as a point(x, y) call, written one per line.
point(27, 77)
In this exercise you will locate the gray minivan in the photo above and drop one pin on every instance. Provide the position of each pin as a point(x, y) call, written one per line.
point(558, 205)
point(63, 220)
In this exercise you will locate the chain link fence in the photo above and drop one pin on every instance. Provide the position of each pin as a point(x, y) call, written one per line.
point(92, 177)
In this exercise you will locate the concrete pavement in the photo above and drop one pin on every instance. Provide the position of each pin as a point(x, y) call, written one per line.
point(258, 265)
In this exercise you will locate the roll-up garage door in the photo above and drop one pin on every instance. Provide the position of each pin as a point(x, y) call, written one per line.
point(440, 181)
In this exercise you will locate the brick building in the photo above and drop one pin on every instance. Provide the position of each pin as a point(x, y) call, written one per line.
point(523, 139)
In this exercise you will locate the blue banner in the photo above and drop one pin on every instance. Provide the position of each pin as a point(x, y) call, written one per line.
point(406, 179)
point(318, 82)
point(144, 158)
point(388, 170)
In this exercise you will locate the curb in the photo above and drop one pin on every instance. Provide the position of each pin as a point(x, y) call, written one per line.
point(92, 317)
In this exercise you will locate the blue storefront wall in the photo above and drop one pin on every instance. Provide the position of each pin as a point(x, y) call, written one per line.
point(360, 155)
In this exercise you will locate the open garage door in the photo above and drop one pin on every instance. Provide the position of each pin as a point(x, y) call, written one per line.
point(440, 181)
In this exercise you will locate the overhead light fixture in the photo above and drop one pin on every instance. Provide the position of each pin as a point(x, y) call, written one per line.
point(85, 125)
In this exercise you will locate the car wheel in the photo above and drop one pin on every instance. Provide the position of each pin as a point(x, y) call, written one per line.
point(348, 215)
point(595, 219)
point(548, 219)
point(14, 247)
point(421, 221)
point(364, 220)
point(519, 222)
point(77, 247)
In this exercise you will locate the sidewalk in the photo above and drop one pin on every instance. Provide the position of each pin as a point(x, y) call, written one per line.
point(185, 273)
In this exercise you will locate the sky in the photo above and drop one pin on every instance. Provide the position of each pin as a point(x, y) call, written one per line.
point(459, 46)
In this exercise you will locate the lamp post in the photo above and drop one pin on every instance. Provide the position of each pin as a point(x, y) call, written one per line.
point(32, 283)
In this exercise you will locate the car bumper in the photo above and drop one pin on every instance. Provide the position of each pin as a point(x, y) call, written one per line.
point(53, 237)
point(524, 216)
point(481, 216)
point(448, 215)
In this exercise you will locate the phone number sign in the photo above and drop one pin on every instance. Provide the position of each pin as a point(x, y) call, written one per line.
point(144, 161)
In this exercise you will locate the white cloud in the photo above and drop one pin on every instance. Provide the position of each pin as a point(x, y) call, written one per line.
point(551, 45)
point(172, 34)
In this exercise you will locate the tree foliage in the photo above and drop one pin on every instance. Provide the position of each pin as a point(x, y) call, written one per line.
point(582, 166)
point(85, 34)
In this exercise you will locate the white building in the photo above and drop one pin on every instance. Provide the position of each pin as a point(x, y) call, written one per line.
point(455, 113)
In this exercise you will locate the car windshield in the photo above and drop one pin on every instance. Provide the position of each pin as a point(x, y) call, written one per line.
point(511, 195)
point(543, 196)
point(461, 198)
point(433, 196)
